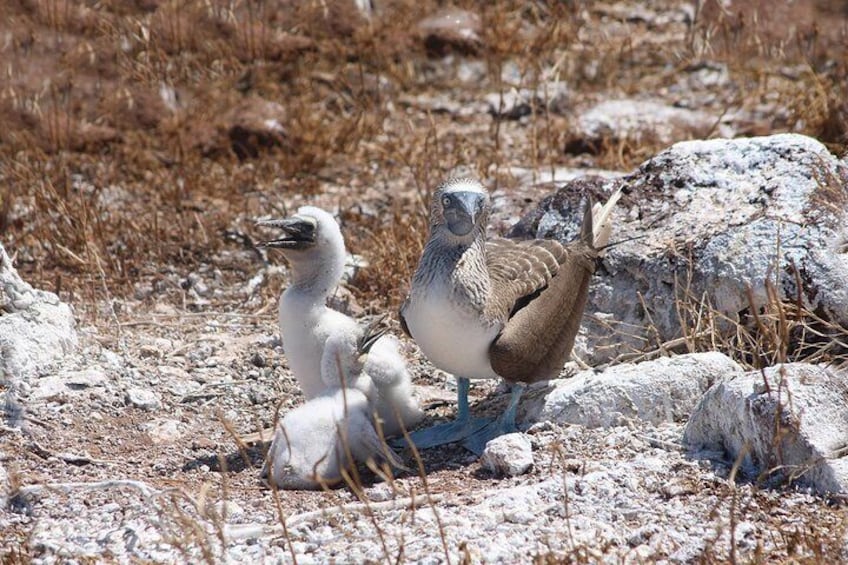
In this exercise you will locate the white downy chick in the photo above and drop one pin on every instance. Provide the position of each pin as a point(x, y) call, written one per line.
point(385, 380)
point(312, 243)
point(317, 441)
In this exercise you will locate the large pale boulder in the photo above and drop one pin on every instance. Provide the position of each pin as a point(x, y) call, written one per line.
point(714, 219)
point(663, 390)
point(36, 328)
point(789, 422)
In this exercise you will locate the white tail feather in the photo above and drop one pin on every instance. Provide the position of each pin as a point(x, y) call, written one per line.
point(602, 220)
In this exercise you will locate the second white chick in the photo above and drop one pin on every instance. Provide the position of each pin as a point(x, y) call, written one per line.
point(334, 431)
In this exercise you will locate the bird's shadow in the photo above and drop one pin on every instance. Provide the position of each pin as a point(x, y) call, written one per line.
point(454, 456)
point(238, 461)
point(449, 457)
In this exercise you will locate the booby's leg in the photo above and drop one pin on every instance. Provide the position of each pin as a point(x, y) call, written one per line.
point(504, 424)
point(441, 434)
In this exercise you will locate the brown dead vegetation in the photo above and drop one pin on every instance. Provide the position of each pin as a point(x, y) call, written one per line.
point(158, 101)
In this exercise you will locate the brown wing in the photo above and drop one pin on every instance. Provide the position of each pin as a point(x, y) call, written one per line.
point(546, 304)
point(519, 270)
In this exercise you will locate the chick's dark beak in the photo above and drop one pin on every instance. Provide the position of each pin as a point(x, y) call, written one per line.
point(372, 332)
point(298, 232)
point(464, 211)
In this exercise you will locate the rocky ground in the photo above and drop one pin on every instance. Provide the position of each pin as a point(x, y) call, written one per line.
point(142, 140)
point(128, 451)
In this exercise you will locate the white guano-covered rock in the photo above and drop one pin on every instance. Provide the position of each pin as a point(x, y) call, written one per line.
point(36, 328)
point(789, 422)
point(663, 390)
point(510, 455)
point(713, 219)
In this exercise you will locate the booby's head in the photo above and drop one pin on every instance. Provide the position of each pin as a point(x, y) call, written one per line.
point(460, 206)
point(299, 232)
point(311, 227)
point(312, 242)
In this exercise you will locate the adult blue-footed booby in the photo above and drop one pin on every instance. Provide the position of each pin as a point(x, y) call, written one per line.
point(312, 243)
point(496, 309)
point(314, 443)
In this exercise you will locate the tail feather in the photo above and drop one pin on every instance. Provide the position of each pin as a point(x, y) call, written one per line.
point(602, 220)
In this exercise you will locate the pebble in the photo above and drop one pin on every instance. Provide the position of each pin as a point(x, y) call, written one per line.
point(164, 431)
point(48, 388)
point(171, 372)
point(91, 377)
point(143, 398)
point(510, 455)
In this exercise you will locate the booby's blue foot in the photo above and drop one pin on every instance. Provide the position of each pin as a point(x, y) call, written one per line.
point(504, 424)
point(443, 434)
point(450, 432)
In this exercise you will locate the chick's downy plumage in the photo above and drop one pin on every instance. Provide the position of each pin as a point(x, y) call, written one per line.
point(312, 243)
point(317, 442)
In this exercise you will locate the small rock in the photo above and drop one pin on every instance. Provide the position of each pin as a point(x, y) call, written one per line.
point(173, 373)
point(258, 360)
point(48, 388)
point(203, 443)
point(510, 455)
point(4, 486)
point(111, 359)
point(86, 378)
point(451, 29)
point(150, 350)
point(640, 121)
point(143, 398)
point(228, 510)
point(512, 104)
point(255, 125)
point(518, 515)
point(380, 493)
point(196, 283)
point(678, 487)
point(36, 328)
point(182, 388)
point(164, 431)
point(517, 103)
point(642, 535)
point(259, 394)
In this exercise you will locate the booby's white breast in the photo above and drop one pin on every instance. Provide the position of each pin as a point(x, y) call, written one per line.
point(453, 338)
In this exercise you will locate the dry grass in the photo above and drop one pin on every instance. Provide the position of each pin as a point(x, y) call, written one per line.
point(95, 117)
point(765, 334)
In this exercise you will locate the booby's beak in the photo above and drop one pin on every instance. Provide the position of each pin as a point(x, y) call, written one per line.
point(299, 232)
point(372, 333)
point(462, 209)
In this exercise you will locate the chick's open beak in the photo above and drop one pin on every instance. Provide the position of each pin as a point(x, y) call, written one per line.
point(298, 232)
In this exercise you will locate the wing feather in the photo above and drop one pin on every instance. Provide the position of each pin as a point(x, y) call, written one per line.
point(519, 270)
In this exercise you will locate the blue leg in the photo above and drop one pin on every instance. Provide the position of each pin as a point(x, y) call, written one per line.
point(504, 424)
point(441, 434)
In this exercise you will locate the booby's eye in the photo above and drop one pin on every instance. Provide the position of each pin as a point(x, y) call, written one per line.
point(446, 200)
